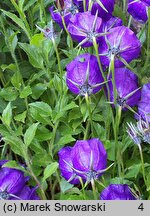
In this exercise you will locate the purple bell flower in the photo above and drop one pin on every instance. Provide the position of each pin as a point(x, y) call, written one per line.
point(66, 166)
point(139, 9)
point(86, 159)
point(128, 93)
point(144, 103)
point(83, 75)
point(67, 9)
point(90, 158)
point(12, 184)
point(28, 193)
point(83, 27)
point(111, 23)
point(117, 192)
point(121, 43)
point(104, 7)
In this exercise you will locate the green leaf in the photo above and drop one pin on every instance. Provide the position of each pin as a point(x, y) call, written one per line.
point(17, 20)
point(65, 140)
point(133, 171)
point(64, 185)
point(43, 134)
point(38, 90)
point(119, 13)
point(9, 93)
point(16, 80)
point(36, 40)
point(49, 170)
point(7, 115)
point(21, 117)
point(30, 134)
point(33, 53)
point(25, 92)
point(43, 108)
point(13, 164)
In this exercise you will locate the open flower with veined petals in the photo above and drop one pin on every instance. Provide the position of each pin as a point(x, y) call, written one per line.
point(83, 75)
point(66, 10)
point(122, 43)
point(13, 184)
point(86, 160)
point(128, 93)
point(83, 27)
point(139, 9)
point(117, 192)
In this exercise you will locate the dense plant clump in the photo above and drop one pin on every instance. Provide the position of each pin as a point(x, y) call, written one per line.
point(75, 100)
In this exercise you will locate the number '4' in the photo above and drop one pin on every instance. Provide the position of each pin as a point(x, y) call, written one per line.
point(141, 207)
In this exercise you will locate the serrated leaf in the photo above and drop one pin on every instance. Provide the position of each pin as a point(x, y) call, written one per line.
point(49, 170)
point(30, 134)
point(7, 115)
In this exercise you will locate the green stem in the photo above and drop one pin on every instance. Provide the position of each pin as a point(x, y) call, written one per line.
point(87, 130)
point(59, 65)
point(90, 112)
point(119, 155)
point(34, 176)
point(84, 5)
point(124, 6)
point(53, 139)
point(94, 189)
point(130, 20)
point(69, 36)
point(100, 65)
point(142, 163)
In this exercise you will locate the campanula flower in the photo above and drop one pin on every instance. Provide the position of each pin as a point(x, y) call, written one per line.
point(65, 9)
point(66, 165)
point(86, 159)
point(13, 184)
point(139, 9)
point(128, 93)
point(144, 103)
point(83, 75)
point(111, 23)
point(104, 7)
point(90, 158)
point(117, 192)
point(139, 132)
point(83, 27)
point(49, 31)
point(121, 43)
point(134, 134)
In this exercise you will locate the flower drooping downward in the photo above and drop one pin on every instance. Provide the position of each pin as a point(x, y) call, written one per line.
point(86, 159)
point(121, 43)
point(83, 75)
point(117, 192)
point(13, 185)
